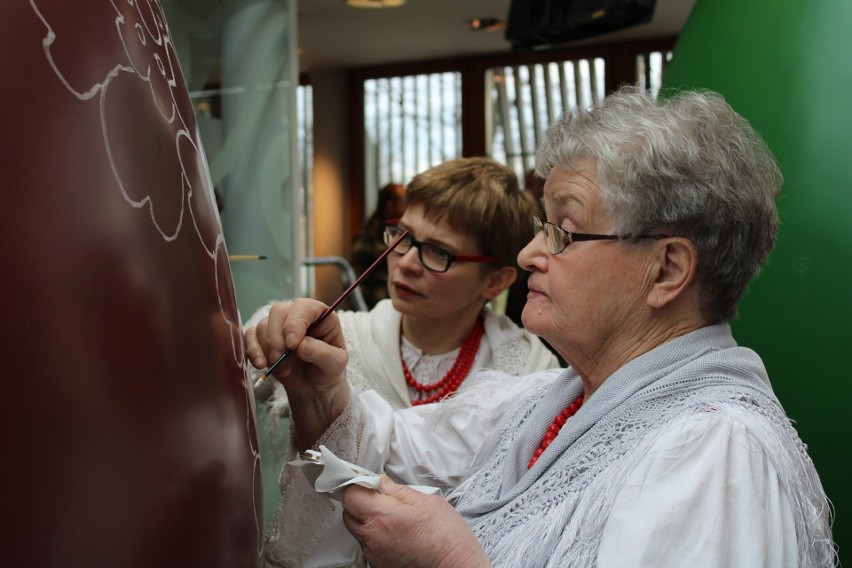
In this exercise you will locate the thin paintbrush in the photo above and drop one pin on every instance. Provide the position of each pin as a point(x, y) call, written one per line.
point(336, 303)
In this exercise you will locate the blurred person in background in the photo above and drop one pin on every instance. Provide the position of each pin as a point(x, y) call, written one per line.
point(369, 243)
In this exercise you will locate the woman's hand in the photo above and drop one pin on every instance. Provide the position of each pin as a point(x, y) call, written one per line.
point(315, 374)
point(403, 527)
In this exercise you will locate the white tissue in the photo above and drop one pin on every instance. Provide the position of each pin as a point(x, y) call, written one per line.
point(331, 475)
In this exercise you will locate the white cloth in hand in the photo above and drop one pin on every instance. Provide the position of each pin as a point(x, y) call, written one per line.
point(331, 475)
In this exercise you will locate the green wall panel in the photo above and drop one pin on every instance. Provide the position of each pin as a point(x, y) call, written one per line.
point(787, 67)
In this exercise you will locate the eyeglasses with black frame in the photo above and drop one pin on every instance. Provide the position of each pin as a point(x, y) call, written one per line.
point(556, 238)
point(432, 257)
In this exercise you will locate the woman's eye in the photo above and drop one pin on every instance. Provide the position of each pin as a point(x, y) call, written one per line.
point(439, 253)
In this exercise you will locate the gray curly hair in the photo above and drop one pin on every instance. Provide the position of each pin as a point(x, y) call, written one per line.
point(687, 165)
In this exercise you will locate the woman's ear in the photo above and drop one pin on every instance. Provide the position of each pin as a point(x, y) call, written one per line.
point(677, 263)
point(498, 280)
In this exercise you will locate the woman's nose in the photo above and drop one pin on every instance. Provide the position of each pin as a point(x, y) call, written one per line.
point(534, 254)
point(410, 259)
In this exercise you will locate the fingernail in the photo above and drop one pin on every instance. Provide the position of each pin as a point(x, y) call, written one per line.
point(290, 339)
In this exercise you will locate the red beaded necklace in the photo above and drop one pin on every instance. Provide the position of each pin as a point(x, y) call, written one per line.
point(454, 377)
point(554, 428)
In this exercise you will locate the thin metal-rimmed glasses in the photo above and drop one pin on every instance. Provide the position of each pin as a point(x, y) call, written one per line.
point(432, 257)
point(556, 238)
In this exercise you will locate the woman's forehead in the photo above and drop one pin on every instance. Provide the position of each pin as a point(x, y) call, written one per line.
point(433, 227)
point(571, 191)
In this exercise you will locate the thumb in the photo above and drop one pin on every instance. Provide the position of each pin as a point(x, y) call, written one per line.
point(402, 493)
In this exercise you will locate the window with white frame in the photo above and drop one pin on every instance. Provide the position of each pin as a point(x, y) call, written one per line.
point(649, 70)
point(414, 122)
point(411, 123)
point(525, 99)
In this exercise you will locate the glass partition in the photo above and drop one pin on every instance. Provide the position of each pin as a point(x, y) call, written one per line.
point(238, 59)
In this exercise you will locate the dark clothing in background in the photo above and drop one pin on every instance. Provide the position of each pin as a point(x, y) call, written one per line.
point(366, 248)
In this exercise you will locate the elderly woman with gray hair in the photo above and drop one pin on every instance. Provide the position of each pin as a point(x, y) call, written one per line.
point(662, 443)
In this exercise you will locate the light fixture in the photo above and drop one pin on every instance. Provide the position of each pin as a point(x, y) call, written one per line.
point(375, 3)
point(486, 24)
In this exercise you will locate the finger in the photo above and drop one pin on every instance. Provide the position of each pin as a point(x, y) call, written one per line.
point(359, 503)
point(329, 330)
point(330, 360)
point(301, 315)
point(254, 351)
point(402, 493)
point(272, 335)
point(354, 526)
point(262, 328)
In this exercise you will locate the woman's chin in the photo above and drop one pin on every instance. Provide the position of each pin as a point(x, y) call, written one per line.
point(533, 317)
point(401, 305)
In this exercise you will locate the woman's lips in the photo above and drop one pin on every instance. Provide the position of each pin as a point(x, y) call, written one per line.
point(404, 290)
point(533, 292)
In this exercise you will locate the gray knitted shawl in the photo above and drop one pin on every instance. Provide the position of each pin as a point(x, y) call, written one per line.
point(554, 514)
